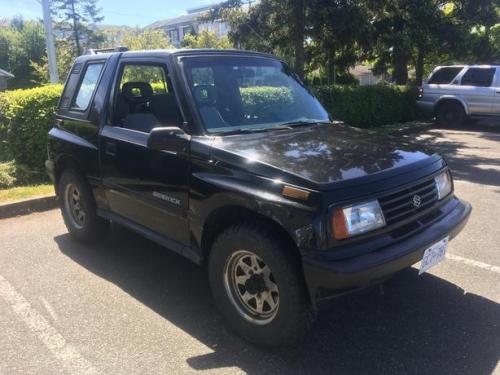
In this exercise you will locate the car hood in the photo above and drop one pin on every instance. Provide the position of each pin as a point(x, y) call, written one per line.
point(322, 154)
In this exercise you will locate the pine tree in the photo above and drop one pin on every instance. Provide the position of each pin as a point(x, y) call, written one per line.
point(74, 20)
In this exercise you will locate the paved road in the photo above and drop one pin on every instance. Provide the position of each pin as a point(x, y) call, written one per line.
point(129, 307)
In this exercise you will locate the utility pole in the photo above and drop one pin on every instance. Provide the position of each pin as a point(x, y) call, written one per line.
point(49, 38)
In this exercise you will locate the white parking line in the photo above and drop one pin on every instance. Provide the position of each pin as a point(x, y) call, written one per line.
point(476, 184)
point(49, 308)
point(473, 263)
point(70, 358)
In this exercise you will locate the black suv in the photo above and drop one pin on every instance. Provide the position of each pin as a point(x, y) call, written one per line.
point(226, 158)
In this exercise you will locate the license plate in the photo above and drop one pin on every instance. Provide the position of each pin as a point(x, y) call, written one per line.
point(433, 255)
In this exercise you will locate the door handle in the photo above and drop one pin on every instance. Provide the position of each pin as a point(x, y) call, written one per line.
point(111, 148)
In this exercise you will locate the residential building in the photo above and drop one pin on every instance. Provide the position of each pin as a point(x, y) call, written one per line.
point(365, 76)
point(190, 23)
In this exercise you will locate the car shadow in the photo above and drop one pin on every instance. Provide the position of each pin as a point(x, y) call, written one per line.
point(413, 324)
point(468, 161)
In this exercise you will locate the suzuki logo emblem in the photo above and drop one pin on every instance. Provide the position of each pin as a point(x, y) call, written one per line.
point(416, 200)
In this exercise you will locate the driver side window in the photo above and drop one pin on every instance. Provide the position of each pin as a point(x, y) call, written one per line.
point(144, 99)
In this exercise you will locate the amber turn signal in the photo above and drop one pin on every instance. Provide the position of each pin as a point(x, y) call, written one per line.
point(339, 224)
point(292, 192)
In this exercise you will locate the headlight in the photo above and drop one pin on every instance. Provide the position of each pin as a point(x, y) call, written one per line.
point(443, 184)
point(357, 219)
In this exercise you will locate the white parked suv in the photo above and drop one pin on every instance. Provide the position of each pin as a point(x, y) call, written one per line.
point(456, 93)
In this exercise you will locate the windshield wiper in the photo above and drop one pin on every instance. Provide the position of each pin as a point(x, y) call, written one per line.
point(256, 130)
point(302, 123)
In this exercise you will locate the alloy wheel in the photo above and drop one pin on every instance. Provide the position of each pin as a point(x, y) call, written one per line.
point(73, 205)
point(251, 287)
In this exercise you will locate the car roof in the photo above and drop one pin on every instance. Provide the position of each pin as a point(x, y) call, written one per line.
point(168, 52)
point(468, 66)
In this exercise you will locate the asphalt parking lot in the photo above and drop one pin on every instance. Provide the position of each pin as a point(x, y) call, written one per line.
point(126, 306)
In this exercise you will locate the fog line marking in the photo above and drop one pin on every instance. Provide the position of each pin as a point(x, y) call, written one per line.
point(473, 263)
point(70, 358)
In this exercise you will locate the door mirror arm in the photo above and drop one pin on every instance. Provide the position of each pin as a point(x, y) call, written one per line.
point(169, 138)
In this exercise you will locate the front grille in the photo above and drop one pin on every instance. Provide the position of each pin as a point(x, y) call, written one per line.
point(403, 204)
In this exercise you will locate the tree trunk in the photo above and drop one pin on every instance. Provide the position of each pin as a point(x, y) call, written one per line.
point(298, 20)
point(419, 67)
point(75, 28)
point(400, 67)
point(331, 66)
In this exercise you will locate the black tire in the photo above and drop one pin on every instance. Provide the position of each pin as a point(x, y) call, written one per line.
point(294, 315)
point(91, 227)
point(451, 114)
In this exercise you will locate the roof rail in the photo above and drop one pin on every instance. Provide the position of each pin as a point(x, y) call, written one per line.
point(96, 51)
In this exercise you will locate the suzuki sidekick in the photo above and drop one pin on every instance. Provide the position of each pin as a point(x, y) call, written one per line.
point(226, 158)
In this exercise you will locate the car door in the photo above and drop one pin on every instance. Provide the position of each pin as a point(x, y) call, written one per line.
point(477, 90)
point(147, 187)
point(441, 82)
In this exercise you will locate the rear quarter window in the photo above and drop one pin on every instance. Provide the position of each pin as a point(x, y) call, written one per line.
point(481, 77)
point(445, 75)
point(87, 86)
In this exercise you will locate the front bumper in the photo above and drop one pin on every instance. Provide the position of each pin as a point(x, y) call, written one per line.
point(370, 268)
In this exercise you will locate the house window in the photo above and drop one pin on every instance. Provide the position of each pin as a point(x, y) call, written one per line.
point(187, 30)
point(173, 35)
point(223, 28)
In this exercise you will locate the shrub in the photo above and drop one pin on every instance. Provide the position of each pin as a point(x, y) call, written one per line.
point(12, 174)
point(264, 100)
point(27, 115)
point(369, 106)
point(362, 106)
point(7, 175)
point(25, 118)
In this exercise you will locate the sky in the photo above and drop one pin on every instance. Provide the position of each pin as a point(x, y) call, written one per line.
point(115, 12)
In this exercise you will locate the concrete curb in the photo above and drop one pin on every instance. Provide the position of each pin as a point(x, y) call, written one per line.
point(27, 206)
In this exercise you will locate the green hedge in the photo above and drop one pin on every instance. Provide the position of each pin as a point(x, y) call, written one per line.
point(12, 174)
point(27, 115)
point(264, 100)
point(361, 106)
point(369, 106)
point(25, 118)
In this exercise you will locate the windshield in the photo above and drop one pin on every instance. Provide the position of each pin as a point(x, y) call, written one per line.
point(249, 94)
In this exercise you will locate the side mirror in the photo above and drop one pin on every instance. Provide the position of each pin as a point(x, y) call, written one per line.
point(170, 138)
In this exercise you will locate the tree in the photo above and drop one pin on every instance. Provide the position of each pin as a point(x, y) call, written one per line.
point(21, 42)
point(337, 31)
point(73, 19)
point(405, 32)
point(145, 39)
point(65, 58)
point(205, 39)
point(482, 20)
point(268, 25)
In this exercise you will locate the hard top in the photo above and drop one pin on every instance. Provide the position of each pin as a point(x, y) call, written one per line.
point(170, 52)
